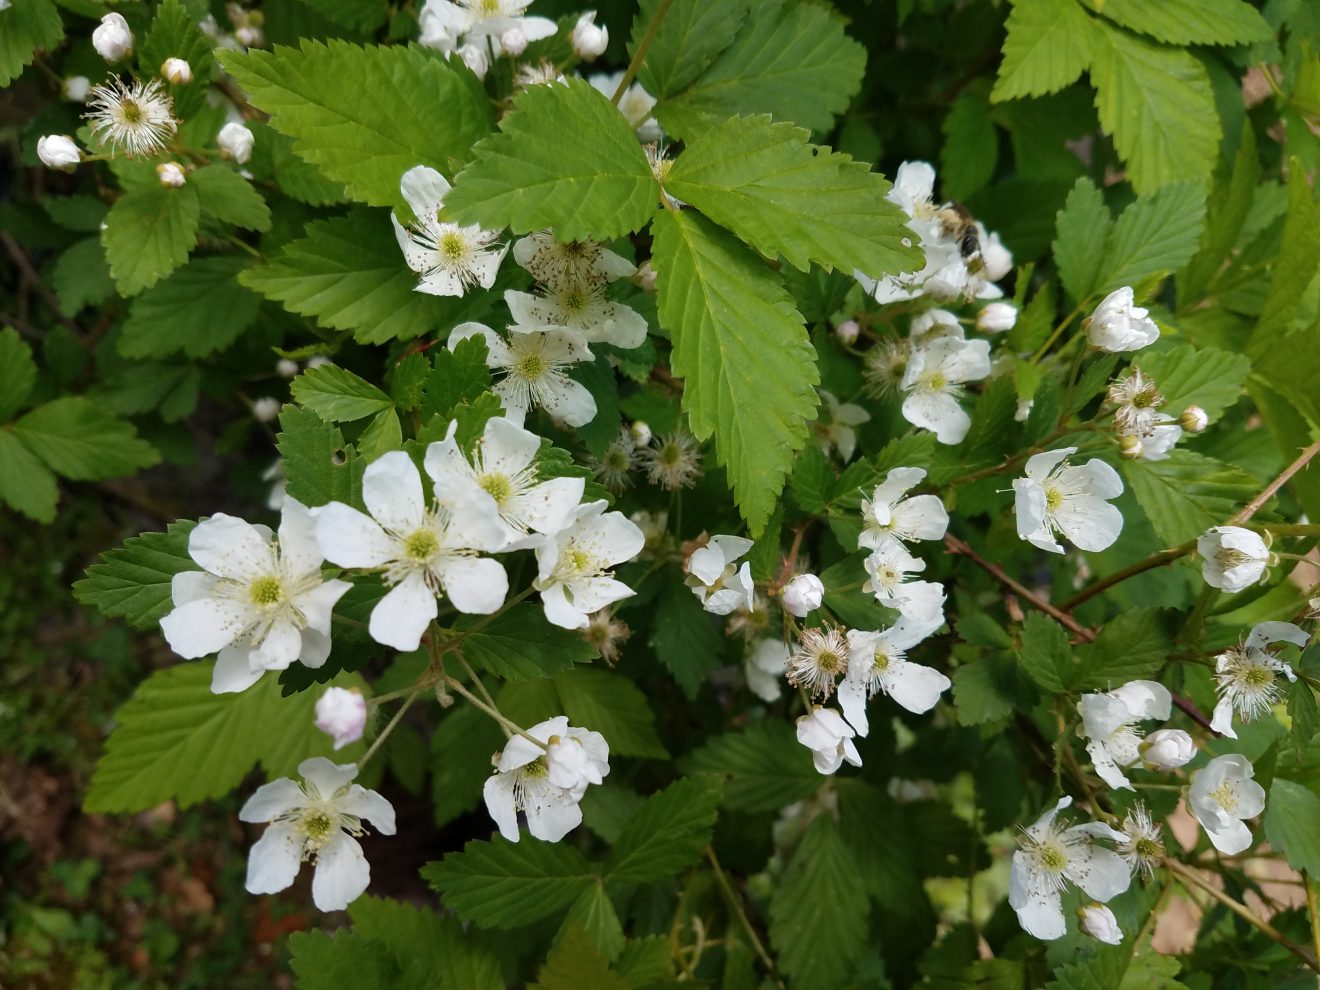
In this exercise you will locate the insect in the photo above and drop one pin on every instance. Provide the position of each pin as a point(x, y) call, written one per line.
point(958, 223)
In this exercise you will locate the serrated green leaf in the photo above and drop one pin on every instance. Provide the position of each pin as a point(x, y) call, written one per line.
point(360, 15)
point(614, 706)
point(1304, 714)
point(692, 34)
point(1154, 236)
point(383, 434)
point(26, 485)
point(198, 310)
point(748, 367)
point(25, 27)
point(971, 146)
point(227, 196)
point(364, 116)
point(148, 233)
point(1081, 232)
point(1157, 105)
point(763, 767)
point(84, 214)
point(18, 372)
point(1197, 376)
point(1291, 814)
point(521, 645)
point(458, 772)
point(133, 582)
point(785, 196)
point(791, 60)
point(1134, 644)
point(322, 961)
point(1293, 270)
point(81, 276)
point(175, 740)
point(1188, 493)
point(685, 637)
point(1189, 22)
point(456, 376)
point(337, 395)
point(319, 467)
point(813, 480)
point(76, 439)
point(576, 963)
point(985, 691)
point(818, 912)
point(565, 158)
point(1229, 208)
point(666, 834)
point(595, 914)
point(1046, 655)
point(1048, 47)
point(428, 949)
point(174, 34)
point(501, 884)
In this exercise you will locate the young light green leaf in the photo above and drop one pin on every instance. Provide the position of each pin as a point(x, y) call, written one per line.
point(1155, 235)
point(75, 438)
point(666, 834)
point(337, 395)
point(691, 35)
point(24, 28)
point(785, 196)
point(175, 740)
point(1048, 46)
point(1197, 376)
point(520, 644)
point(26, 485)
point(1081, 231)
point(1189, 22)
point(148, 233)
point(565, 158)
point(1157, 105)
point(614, 706)
point(1188, 493)
point(791, 60)
point(229, 197)
point(364, 116)
point(133, 582)
point(763, 766)
point(18, 372)
point(198, 310)
point(740, 346)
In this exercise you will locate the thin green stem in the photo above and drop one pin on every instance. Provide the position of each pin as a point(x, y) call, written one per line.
point(1058, 332)
point(642, 47)
point(735, 905)
point(494, 713)
point(467, 667)
point(389, 727)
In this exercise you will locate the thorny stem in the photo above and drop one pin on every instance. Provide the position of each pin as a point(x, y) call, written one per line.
point(735, 905)
point(389, 727)
point(492, 712)
point(642, 47)
point(1241, 910)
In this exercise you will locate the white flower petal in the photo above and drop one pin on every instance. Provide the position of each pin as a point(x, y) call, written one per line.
point(342, 873)
point(476, 585)
point(400, 618)
point(234, 671)
point(204, 626)
point(500, 805)
point(917, 688)
point(369, 806)
point(351, 538)
point(231, 548)
point(392, 492)
point(274, 859)
point(424, 190)
point(269, 801)
point(299, 550)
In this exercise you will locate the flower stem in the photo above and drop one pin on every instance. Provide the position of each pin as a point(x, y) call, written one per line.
point(642, 47)
point(389, 727)
point(1158, 559)
point(491, 711)
point(735, 905)
point(1252, 507)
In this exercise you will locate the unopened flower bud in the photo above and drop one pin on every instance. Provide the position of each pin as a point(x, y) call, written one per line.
point(474, 57)
point(997, 317)
point(1167, 749)
point(266, 408)
point(171, 174)
point(514, 41)
point(342, 714)
point(76, 87)
point(286, 367)
point(235, 142)
point(317, 361)
point(1130, 446)
point(803, 595)
point(1099, 922)
point(1023, 410)
point(589, 41)
point(645, 277)
point(112, 39)
point(1193, 419)
point(58, 151)
point(177, 71)
point(641, 433)
point(847, 332)
point(249, 36)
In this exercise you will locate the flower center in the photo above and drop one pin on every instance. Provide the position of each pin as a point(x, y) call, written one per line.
point(1148, 848)
point(536, 768)
point(130, 111)
point(1227, 557)
point(1052, 857)
point(317, 825)
point(452, 247)
point(497, 486)
point(1053, 499)
point(886, 575)
point(1226, 796)
point(1257, 677)
point(580, 561)
point(421, 545)
point(881, 660)
point(266, 591)
point(937, 382)
point(531, 367)
point(829, 661)
point(573, 301)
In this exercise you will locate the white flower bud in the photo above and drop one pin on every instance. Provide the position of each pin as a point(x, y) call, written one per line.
point(1130, 447)
point(803, 595)
point(1193, 419)
point(1023, 410)
point(641, 433)
point(286, 368)
point(58, 151)
point(112, 39)
point(997, 259)
point(235, 142)
point(474, 57)
point(342, 713)
point(997, 317)
point(1099, 922)
point(266, 408)
point(847, 332)
point(171, 174)
point(1119, 324)
point(514, 41)
point(76, 87)
point(589, 41)
point(317, 361)
point(1167, 749)
point(177, 71)
point(645, 277)
point(249, 36)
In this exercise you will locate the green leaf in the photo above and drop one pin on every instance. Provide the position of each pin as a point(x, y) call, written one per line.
point(685, 637)
point(666, 834)
point(1157, 105)
point(1081, 232)
point(133, 582)
point(1188, 493)
point(971, 146)
point(1229, 208)
point(227, 196)
point(985, 691)
point(81, 276)
point(791, 60)
point(691, 36)
point(456, 776)
point(565, 158)
point(1293, 270)
point(1304, 714)
point(338, 395)
point(84, 214)
point(319, 466)
point(148, 233)
point(26, 485)
point(1154, 236)
point(76, 439)
point(614, 706)
point(18, 372)
point(175, 740)
point(429, 950)
point(25, 27)
point(785, 196)
point(174, 34)
point(813, 480)
point(360, 15)
point(1134, 644)
point(748, 367)
point(456, 376)
point(1197, 376)
point(364, 116)
point(1291, 814)
point(1049, 45)
point(594, 913)
point(1189, 22)
point(763, 767)
point(818, 912)
point(1046, 655)
point(321, 961)
point(198, 310)
point(520, 644)
point(348, 274)
point(501, 884)
point(575, 963)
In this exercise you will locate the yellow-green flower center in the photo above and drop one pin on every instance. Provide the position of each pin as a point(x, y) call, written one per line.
point(881, 660)
point(452, 247)
point(421, 545)
point(266, 591)
point(497, 486)
point(531, 367)
point(536, 768)
point(317, 825)
point(1148, 848)
point(1226, 796)
point(829, 661)
point(579, 560)
point(130, 111)
point(1052, 857)
point(1053, 499)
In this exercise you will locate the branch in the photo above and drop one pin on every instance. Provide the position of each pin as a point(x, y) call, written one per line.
point(642, 47)
point(15, 251)
point(1252, 507)
point(1154, 560)
point(957, 546)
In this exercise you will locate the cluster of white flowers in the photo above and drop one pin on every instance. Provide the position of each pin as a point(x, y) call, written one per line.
point(476, 30)
point(544, 773)
point(1109, 725)
point(1143, 430)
